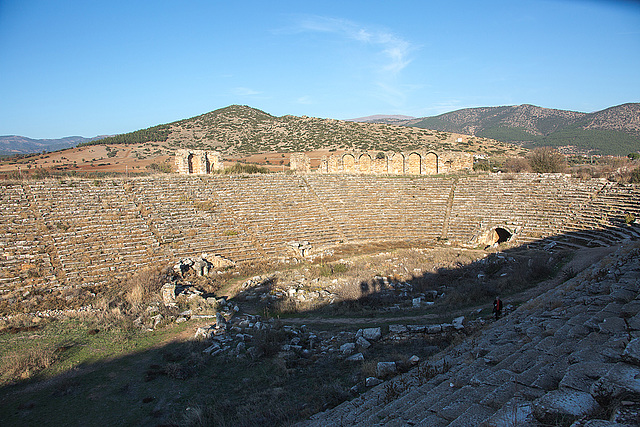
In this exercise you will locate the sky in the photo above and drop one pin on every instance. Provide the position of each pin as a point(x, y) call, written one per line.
point(91, 68)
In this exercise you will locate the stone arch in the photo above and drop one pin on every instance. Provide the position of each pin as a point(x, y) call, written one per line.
point(333, 164)
point(431, 163)
point(348, 163)
point(190, 162)
point(364, 163)
point(498, 234)
point(396, 164)
point(413, 164)
point(380, 164)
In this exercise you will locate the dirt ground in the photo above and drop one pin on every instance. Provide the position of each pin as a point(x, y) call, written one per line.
point(135, 158)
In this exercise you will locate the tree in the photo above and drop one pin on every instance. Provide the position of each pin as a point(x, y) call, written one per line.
point(516, 164)
point(547, 160)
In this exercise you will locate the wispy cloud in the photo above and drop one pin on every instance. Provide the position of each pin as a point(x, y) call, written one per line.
point(304, 100)
point(395, 49)
point(244, 91)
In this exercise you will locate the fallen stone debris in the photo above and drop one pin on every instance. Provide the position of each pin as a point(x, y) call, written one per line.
point(570, 357)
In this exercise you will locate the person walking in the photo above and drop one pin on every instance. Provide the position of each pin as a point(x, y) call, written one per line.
point(497, 308)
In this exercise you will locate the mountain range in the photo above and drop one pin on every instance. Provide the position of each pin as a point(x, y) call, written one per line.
point(615, 130)
point(241, 129)
point(13, 144)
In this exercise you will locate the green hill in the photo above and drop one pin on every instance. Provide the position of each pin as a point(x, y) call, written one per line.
point(241, 130)
point(614, 131)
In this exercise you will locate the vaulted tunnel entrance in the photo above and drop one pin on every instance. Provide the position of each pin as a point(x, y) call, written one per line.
point(500, 235)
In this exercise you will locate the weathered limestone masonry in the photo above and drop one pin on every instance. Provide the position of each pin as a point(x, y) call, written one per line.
point(300, 162)
point(419, 162)
point(197, 161)
point(568, 357)
point(64, 232)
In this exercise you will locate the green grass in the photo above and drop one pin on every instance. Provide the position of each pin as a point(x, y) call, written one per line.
point(126, 377)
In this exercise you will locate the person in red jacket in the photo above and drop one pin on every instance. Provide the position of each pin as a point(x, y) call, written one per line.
point(497, 308)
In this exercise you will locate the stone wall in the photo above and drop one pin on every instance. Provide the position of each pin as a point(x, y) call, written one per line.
point(197, 161)
point(418, 162)
point(300, 162)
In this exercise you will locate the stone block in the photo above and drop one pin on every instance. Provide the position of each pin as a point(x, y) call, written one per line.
point(621, 382)
point(358, 357)
point(386, 369)
point(372, 334)
point(169, 294)
point(564, 406)
point(397, 329)
point(347, 348)
point(362, 342)
point(372, 381)
point(458, 323)
point(631, 353)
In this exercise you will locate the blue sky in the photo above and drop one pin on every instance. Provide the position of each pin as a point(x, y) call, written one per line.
point(105, 67)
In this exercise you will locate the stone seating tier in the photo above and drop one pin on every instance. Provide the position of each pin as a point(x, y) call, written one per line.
point(552, 361)
point(79, 230)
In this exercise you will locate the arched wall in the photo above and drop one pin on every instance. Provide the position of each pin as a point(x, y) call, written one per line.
point(396, 164)
point(349, 163)
point(417, 162)
point(430, 166)
point(413, 165)
point(365, 163)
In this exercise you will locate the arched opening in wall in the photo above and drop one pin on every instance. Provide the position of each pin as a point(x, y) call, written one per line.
point(499, 235)
point(333, 165)
point(348, 163)
point(396, 164)
point(431, 164)
point(365, 163)
point(413, 164)
point(190, 162)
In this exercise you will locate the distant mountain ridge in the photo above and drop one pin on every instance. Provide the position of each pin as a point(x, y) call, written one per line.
point(242, 129)
point(381, 118)
point(615, 130)
point(14, 144)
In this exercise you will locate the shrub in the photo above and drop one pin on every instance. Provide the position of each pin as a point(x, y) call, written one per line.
point(239, 168)
point(144, 285)
point(25, 364)
point(516, 165)
point(481, 166)
point(547, 160)
point(159, 167)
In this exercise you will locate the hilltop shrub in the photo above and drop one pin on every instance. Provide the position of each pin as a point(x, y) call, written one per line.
point(547, 160)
